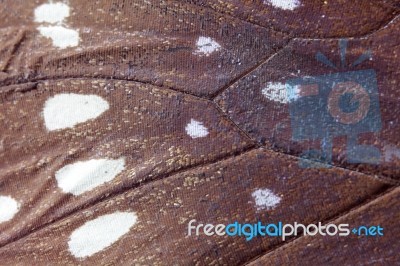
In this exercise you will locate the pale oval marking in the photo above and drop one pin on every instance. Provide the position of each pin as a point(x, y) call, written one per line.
point(265, 199)
point(277, 92)
point(60, 36)
point(8, 208)
point(98, 234)
point(51, 13)
point(284, 4)
point(67, 110)
point(196, 129)
point(80, 177)
point(206, 46)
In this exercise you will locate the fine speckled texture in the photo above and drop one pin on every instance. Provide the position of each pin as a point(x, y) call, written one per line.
point(121, 121)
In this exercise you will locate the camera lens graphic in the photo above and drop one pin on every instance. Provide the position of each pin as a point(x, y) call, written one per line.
point(359, 96)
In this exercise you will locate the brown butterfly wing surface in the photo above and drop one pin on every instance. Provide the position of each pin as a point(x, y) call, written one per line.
point(123, 121)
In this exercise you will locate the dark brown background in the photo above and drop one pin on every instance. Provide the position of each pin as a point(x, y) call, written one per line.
point(139, 54)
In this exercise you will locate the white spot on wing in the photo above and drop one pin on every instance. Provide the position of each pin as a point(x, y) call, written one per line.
point(206, 46)
point(61, 37)
point(100, 233)
point(52, 16)
point(51, 12)
point(284, 4)
point(276, 91)
point(8, 208)
point(195, 129)
point(66, 110)
point(80, 177)
point(265, 199)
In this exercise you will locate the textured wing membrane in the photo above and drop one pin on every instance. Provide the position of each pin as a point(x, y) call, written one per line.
point(216, 193)
point(159, 42)
point(143, 134)
point(121, 121)
point(268, 119)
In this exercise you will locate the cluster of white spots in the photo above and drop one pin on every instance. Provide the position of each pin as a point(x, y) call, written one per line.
point(206, 46)
point(61, 37)
point(265, 199)
point(52, 16)
point(100, 233)
point(277, 92)
point(8, 208)
point(68, 109)
point(283, 4)
point(196, 129)
point(391, 152)
point(80, 177)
